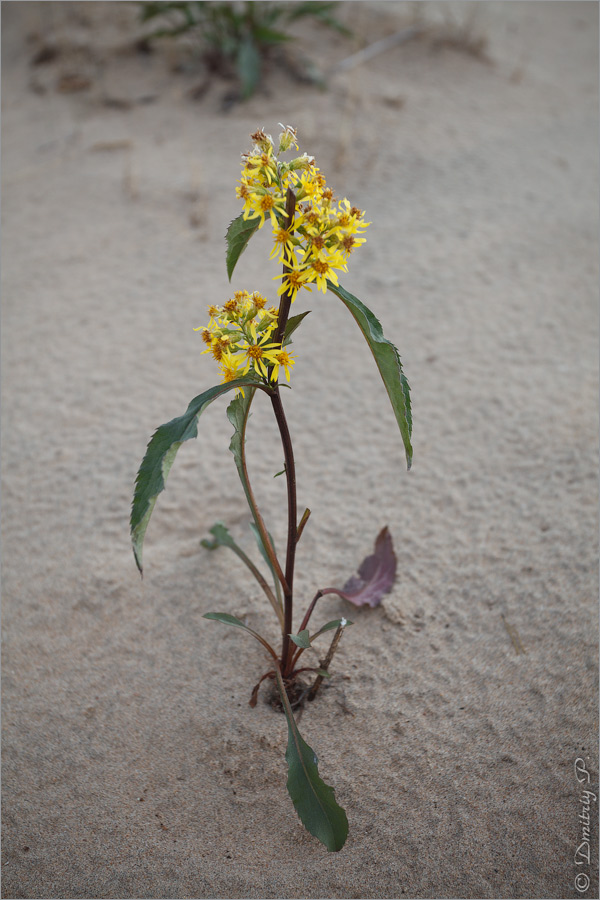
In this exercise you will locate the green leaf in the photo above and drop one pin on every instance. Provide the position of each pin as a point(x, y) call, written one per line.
point(292, 324)
point(265, 556)
point(237, 413)
point(330, 626)
point(159, 457)
point(313, 800)
point(228, 619)
point(222, 538)
point(319, 11)
point(388, 362)
point(248, 66)
point(265, 35)
point(238, 234)
point(302, 639)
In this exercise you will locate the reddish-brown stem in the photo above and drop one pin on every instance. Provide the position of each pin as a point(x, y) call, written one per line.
point(305, 620)
point(310, 609)
point(326, 662)
point(254, 695)
point(290, 470)
point(286, 297)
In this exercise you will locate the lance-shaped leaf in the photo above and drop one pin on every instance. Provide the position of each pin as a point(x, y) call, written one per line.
point(330, 626)
point(228, 619)
point(160, 454)
point(376, 574)
point(313, 799)
point(292, 324)
point(238, 234)
point(388, 362)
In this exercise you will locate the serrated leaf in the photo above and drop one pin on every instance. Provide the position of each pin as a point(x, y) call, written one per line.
point(292, 324)
point(238, 234)
point(388, 362)
point(159, 457)
point(313, 800)
point(302, 639)
point(376, 574)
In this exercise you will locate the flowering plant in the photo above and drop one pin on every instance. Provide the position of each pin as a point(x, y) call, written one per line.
point(313, 238)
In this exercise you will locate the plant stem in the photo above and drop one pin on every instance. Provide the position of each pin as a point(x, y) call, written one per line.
point(290, 558)
point(264, 585)
point(286, 297)
point(258, 519)
point(326, 662)
point(290, 469)
point(310, 609)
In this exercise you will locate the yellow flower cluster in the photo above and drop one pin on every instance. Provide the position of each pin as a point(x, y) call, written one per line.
point(323, 232)
point(239, 334)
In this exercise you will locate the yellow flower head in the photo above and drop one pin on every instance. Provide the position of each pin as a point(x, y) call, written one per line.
point(277, 358)
point(292, 281)
point(230, 365)
point(324, 232)
point(239, 338)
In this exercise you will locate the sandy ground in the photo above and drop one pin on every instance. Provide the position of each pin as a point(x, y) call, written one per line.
point(133, 765)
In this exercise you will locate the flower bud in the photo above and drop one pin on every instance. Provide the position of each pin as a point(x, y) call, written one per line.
point(301, 163)
point(287, 138)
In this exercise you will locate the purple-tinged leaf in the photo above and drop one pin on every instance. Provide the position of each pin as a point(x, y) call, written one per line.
point(376, 574)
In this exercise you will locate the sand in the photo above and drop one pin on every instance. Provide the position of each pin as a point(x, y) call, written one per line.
point(133, 765)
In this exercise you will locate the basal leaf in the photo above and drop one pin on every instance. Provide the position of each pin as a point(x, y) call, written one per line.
point(221, 538)
point(228, 619)
point(160, 454)
point(238, 234)
point(330, 626)
point(388, 362)
point(302, 639)
point(313, 800)
point(376, 574)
